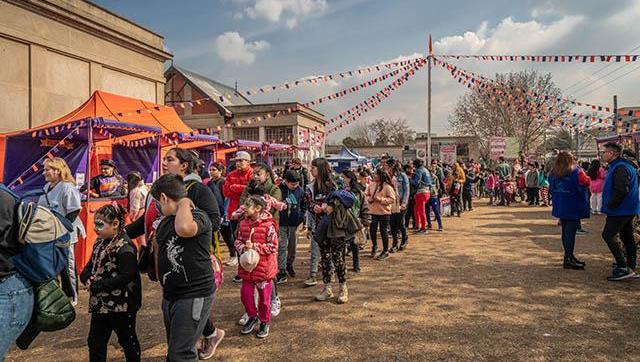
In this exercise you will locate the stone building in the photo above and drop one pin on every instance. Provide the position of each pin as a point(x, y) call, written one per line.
point(232, 116)
point(55, 53)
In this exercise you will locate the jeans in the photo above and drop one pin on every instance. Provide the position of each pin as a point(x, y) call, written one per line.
point(263, 310)
point(398, 227)
point(467, 197)
point(409, 214)
point(596, 202)
point(383, 221)
point(501, 194)
point(533, 196)
point(569, 228)
point(419, 209)
point(434, 204)
point(622, 225)
point(16, 305)
point(102, 324)
point(184, 321)
point(287, 242)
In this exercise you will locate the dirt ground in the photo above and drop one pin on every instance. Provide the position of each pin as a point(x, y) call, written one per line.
point(491, 287)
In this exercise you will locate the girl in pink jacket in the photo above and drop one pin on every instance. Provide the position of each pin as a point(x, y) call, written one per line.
point(597, 174)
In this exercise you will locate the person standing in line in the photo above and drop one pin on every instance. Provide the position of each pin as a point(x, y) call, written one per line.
point(504, 171)
point(381, 196)
point(468, 187)
point(399, 209)
point(360, 209)
point(597, 174)
point(408, 170)
point(290, 219)
point(61, 195)
point(532, 178)
point(317, 221)
point(216, 185)
point(113, 280)
point(184, 267)
point(621, 204)
point(421, 181)
point(569, 185)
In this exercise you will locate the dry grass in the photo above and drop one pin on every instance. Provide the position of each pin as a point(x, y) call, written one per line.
point(491, 287)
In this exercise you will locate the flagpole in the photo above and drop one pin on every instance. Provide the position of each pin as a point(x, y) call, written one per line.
point(429, 56)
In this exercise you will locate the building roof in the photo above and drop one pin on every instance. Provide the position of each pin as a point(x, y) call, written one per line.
point(212, 88)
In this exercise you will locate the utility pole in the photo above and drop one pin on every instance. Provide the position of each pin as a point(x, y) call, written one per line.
point(429, 58)
point(615, 112)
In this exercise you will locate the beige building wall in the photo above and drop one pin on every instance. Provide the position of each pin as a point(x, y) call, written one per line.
point(55, 53)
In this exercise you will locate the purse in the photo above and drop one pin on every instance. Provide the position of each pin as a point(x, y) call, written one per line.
point(52, 311)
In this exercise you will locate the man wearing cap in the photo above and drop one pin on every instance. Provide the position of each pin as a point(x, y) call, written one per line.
point(236, 182)
point(621, 203)
point(296, 165)
point(109, 183)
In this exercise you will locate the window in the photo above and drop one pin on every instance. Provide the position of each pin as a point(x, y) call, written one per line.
point(249, 134)
point(279, 134)
point(279, 158)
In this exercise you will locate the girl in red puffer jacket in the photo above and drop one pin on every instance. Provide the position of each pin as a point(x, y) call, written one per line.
point(258, 231)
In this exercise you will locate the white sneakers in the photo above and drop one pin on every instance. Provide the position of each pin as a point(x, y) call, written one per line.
point(232, 261)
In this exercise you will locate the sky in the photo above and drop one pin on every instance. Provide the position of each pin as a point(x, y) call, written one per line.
point(262, 42)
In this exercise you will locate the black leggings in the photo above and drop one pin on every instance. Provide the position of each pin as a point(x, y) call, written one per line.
point(383, 221)
point(227, 235)
point(102, 324)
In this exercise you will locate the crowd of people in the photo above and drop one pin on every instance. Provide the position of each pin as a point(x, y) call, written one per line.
point(179, 223)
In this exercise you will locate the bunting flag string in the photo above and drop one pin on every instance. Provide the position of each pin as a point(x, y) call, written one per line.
point(594, 107)
point(606, 58)
point(361, 86)
point(532, 109)
point(352, 114)
point(36, 166)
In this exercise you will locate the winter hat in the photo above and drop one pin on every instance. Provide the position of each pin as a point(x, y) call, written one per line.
point(249, 260)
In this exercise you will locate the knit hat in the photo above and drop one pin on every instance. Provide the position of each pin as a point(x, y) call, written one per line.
point(249, 260)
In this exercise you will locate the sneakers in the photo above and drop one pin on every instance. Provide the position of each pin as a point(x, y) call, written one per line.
point(311, 281)
point(249, 326)
point(440, 229)
point(343, 295)
point(210, 344)
point(581, 232)
point(232, 261)
point(393, 249)
point(325, 295)
point(290, 271)
point(243, 320)
point(281, 278)
point(263, 332)
point(620, 274)
point(373, 253)
point(383, 256)
point(569, 263)
point(276, 305)
point(237, 279)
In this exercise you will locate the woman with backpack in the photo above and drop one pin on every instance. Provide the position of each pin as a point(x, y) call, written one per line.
point(361, 209)
point(61, 195)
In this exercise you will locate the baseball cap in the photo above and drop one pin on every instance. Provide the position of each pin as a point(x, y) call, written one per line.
point(242, 155)
point(249, 260)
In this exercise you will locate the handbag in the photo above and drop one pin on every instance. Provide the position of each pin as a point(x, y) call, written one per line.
point(52, 311)
point(361, 237)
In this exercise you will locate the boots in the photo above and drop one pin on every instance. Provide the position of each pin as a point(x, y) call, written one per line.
point(343, 296)
point(325, 295)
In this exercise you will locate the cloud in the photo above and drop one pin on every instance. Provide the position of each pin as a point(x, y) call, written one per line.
point(291, 10)
point(238, 16)
point(509, 37)
point(231, 47)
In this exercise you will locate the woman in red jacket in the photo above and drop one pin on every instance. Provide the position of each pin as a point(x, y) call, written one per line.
point(258, 231)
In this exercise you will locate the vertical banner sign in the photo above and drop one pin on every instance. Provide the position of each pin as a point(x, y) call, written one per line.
point(497, 147)
point(448, 154)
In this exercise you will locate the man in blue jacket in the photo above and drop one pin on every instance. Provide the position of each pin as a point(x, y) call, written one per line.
point(621, 203)
point(290, 219)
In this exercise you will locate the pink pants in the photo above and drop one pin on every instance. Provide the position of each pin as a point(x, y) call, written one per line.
point(419, 210)
point(263, 311)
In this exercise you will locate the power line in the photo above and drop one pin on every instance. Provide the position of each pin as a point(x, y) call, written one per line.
point(612, 80)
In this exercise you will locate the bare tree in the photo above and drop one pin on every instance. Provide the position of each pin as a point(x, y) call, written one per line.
point(509, 107)
point(392, 132)
point(360, 135)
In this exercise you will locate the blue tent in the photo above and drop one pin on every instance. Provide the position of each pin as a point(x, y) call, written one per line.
point(345, 159)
